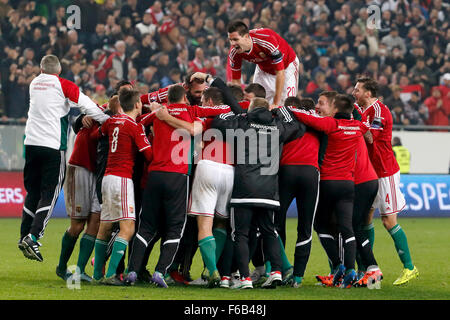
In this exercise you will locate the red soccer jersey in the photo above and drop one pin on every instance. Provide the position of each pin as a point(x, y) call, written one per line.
point(126, 137)
point(364, 170)
point(380, 151)
point(214, 148)
point(343, 136)
point(172, 152)
point(269, 51)
point(84, 152)
point(302, 151)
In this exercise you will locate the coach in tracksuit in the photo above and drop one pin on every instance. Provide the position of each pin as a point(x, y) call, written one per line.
point(45, 143)
point(258, 137)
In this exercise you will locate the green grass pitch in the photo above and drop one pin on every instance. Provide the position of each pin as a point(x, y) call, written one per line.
point(429, 242)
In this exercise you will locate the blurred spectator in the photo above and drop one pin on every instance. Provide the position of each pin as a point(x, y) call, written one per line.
point(415, 111)
point(99, 38)
point(173, 77)
point(200, 64)
point(383, 87)
point(315, 87)
point(183, 61)
point(148, 77)
point(147, 52)
point(75, 72)
point(100, 96)
point(147, 25)
point(163, 65)
point(18, 95)
point(343, 84)
point(120, 62)
point(156, 12)
point(395, 101)
point(438, 111)
point(398, 116)
point(421, 74)
point(394, 40)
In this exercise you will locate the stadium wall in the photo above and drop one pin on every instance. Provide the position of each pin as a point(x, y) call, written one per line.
point(430, 151)
point(426, 196)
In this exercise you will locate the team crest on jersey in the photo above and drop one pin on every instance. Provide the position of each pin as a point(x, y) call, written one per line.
point(78, 209)
point(262, 55)
point(131, 209)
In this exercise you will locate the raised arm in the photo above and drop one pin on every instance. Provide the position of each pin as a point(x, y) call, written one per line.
point(194, 128)
point(79, 99)
point(324, 124)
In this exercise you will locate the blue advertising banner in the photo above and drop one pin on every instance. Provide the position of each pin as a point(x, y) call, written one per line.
point(426, 196)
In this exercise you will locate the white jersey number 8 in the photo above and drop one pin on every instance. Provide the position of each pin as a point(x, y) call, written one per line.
point(115, 137)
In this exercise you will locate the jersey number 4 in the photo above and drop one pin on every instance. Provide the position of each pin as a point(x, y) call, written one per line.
point(115, 137)
point(387, 199)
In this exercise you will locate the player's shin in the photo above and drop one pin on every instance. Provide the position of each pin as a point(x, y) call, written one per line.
point(67, 246)
point(87, 244)
point(119, 247)
point(401, 245)
point(208, 251)
point(100, 257)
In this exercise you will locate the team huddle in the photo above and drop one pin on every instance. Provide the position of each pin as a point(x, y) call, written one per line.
point(212, 166)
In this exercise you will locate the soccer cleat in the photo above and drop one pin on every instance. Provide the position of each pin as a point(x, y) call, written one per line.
point(84, 277)
point(374, 279)
point(406, 276)
point(32, 248)
point(244, 283)
point(97, 281)
point(63, 274)
point(257, 274)
point(213, 280)
point(338, 275)
point(114, 280)
point(288, 277)
point(198, 282)
point(177, 278)
point(235, 278)
point(297, 282)
point(22, 248)
point(202, 281)
point(158, 279)
point(273, 280)
point(225, 282)
point(326, 281)
point(359, 276)
point(362, 282)
point(131, 279)
point(348, 280)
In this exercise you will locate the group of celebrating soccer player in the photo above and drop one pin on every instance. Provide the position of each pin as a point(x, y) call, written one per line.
point(212, 166)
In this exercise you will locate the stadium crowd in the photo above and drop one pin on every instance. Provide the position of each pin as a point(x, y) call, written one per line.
point(156, 43)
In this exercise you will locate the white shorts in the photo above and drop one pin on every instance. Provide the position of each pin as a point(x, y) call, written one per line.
point(79, 193)
point(268, 81)
point(389, 200)
point(118, 199)
point(211, 189)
